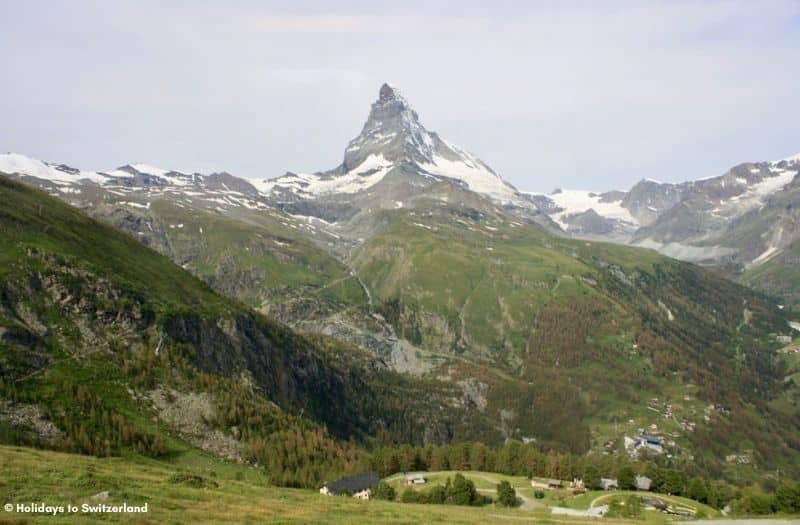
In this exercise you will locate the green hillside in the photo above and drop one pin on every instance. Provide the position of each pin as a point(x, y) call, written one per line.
point(252, 255)
point(779, 276)
point(108, 348)
point(586, 340)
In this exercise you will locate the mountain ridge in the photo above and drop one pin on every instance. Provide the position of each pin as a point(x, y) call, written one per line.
point(736, 221)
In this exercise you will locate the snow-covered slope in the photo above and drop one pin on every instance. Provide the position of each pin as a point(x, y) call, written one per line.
point(137, 184)
point(574, 202)
point(394, 139)
point(310, 185)
point(14, 163)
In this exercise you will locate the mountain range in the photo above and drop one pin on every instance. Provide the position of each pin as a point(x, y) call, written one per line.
point(413, 271)
point(743, 222)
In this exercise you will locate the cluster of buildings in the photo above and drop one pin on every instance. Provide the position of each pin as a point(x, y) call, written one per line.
point(642, 483)
point(361, 486)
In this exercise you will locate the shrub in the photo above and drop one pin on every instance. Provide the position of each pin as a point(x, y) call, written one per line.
point(437, 495)
point(755, 504)
point(192, 480)
point(411, 496)
point(462, 491)
point(506, 495)
point(787, 498)
point(384, 491)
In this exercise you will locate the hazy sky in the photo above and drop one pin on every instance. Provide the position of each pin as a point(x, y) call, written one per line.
point(549, 94)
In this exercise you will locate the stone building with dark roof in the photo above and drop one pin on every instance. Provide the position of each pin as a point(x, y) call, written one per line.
point(359, 486)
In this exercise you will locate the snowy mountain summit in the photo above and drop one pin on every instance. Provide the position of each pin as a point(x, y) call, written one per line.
point(393, 141)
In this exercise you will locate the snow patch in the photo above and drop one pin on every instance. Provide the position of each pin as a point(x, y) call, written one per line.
point(686, 252)
point(472, 171)
point(577, 201)
point(770, 185)
point(670, 316)
point(135, 204)
point(769, 252)
point(149, 170)
point(20, 164)
point(370, 172)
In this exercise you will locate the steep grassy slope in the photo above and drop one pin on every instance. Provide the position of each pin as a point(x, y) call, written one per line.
point(109, 348)
point(253, 255)
point(588, 334)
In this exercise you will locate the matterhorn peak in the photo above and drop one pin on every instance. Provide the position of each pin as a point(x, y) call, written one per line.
point(394, 141)
point(388, 93)
point(391, 109)
point(392, 131)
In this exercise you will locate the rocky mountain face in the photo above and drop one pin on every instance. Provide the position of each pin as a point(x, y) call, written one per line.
point(647, 199)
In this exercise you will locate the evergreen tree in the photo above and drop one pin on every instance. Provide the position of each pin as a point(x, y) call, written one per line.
point(674, 482)
point(408, 458)
point(384, 491)
point(697, 490)
point(506, 495)
point(462, 491)
point(439, 459)
point(626, 478)
point(656, 474)
point(591, 477)
point(478, 456)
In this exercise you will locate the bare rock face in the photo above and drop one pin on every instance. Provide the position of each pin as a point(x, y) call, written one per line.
point(590, 223)
point(648, 199)
point(386, 94)
point(188, 413)
point(30, 418)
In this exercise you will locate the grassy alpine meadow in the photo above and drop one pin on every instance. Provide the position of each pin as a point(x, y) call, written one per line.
point(216, 492)
point(778, 276)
